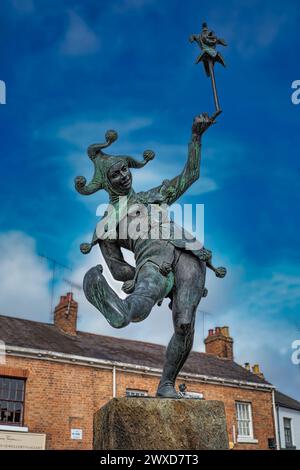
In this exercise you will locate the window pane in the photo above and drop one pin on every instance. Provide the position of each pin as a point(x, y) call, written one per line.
point(3, 410)
point(18, 412)
point(19, 395)
point(4, 389)
point(244, 423)
point(11, 400)
point(287, 423)
point(11, 389)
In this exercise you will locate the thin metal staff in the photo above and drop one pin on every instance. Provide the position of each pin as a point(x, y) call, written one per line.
point(208, 41)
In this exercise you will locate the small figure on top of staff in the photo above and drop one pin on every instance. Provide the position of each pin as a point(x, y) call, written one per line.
point(208, 41)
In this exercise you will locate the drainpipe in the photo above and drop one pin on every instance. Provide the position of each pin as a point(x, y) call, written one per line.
point(275, 421)
point(114, 374)
point(278, 421)
point(234, 434)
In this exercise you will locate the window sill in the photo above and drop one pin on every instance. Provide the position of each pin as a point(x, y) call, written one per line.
point(247, 440)
point(13, 428)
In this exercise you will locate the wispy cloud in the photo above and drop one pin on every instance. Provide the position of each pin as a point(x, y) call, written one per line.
point(80, 133)
point(84, 132)
point(79, 38)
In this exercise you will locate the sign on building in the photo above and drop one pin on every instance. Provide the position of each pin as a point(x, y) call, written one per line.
point(76, 434)
point(22, 441)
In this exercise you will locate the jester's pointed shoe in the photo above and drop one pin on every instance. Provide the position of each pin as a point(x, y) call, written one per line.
point(167, 390)
point(103, 297)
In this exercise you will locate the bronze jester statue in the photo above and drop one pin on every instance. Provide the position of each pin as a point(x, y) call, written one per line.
point(172, 265)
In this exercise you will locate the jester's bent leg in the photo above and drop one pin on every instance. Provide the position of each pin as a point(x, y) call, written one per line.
point(187, 293)
point(151, 286)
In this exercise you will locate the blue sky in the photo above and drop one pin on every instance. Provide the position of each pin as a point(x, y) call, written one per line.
point(73, 69)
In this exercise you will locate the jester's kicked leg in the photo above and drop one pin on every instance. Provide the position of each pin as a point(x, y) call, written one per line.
point(151, 287)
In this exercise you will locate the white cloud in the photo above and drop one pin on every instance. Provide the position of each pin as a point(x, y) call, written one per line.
point(82, 133)
point(24, 279)
point(79, 38)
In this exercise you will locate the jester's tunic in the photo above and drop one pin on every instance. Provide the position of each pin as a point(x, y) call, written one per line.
point(160, 251)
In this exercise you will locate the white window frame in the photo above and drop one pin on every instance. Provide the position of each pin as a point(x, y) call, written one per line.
point(245, 438)
point(136, 393)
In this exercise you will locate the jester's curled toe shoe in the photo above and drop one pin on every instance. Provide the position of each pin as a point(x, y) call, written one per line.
point(103, 297)
point(167, 390)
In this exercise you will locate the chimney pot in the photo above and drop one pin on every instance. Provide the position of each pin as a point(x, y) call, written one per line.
point(256, 371)
point(210, 332)
point(225, 331)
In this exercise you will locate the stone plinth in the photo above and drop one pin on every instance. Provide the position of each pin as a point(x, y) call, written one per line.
point(160, 424)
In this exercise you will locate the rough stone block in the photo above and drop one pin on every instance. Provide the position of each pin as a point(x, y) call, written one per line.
point(160, 424)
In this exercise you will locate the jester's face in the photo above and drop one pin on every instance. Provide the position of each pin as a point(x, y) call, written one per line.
point(120, 177)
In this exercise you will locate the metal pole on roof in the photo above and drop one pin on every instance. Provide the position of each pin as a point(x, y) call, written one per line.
point(54, 264)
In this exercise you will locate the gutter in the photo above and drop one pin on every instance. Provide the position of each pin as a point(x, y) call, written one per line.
point(41, 354)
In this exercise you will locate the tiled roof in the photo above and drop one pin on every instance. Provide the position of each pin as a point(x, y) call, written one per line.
point(44, 336)
point(286, 401)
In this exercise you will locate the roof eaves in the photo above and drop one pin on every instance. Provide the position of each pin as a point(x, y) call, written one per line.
point(94, 362)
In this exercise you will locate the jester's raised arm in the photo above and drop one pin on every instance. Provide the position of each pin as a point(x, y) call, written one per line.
point(171, 190)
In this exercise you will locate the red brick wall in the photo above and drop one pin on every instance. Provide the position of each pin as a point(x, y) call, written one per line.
point(59, 397)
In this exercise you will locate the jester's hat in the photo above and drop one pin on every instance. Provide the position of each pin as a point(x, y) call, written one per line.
point(103, 162)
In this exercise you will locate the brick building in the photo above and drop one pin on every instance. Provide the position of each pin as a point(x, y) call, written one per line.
point(54, 378)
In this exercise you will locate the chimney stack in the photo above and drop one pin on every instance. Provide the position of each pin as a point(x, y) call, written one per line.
point(219, 343)
point(65, 314)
